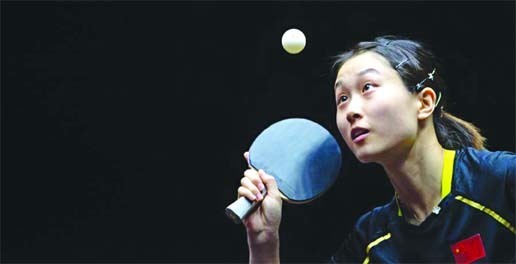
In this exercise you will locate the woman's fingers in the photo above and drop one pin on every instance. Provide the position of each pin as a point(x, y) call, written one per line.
point(248, 184)
point(251, 185)
point(243, 191)
point(254, 182)
point(255, 179)
point(270, 183)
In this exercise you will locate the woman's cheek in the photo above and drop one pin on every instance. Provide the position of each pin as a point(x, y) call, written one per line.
point(339, 118)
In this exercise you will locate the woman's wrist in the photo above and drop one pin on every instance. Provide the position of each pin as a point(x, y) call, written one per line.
point(263, 237)
point(264, 247)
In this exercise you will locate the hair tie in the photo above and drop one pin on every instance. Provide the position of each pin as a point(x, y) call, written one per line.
point(438, 100)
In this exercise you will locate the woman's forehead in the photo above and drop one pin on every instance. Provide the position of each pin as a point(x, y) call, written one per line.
point(362, 62)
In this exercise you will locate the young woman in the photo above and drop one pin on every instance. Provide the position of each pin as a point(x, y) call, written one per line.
point(454, 200)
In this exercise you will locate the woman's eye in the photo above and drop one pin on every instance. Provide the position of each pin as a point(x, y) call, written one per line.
point(366, 87)
point(342, 98)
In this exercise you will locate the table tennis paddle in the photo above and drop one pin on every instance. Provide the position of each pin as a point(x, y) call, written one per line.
point(301, 155)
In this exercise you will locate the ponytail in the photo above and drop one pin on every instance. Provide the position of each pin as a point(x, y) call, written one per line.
point(455, 133)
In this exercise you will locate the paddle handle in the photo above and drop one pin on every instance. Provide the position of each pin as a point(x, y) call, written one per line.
point(241, 208)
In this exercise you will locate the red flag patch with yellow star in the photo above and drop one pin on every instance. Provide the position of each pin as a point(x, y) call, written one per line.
point(469, 249)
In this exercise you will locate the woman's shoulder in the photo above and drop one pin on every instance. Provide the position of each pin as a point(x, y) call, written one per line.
point(484, 175)
point(483, 158)
point(484, 165)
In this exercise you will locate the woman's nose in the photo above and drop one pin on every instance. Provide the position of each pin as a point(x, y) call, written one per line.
point(353, 111)
point(352, 117)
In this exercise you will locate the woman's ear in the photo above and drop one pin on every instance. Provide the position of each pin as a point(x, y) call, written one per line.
point(427, 99)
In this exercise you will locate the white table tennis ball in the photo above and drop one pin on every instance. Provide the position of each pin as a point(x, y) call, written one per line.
point(293, 41)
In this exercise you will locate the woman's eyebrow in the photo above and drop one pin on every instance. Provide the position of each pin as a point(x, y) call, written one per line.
point(339, 83)
point(368, 70)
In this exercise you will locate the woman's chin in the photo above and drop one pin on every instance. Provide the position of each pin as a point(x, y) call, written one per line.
point(364, 157)
point(368, 154)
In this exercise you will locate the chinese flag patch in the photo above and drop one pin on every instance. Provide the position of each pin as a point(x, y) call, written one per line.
point(468, 250)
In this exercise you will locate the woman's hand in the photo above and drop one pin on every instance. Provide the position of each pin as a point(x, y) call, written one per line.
point(262, 225)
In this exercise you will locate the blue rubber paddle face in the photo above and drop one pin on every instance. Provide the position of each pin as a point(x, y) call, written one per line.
point(303, 157)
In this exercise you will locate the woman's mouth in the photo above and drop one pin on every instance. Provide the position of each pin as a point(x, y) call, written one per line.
point(358, 134)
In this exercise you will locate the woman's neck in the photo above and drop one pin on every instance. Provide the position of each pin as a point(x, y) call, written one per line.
point(416, 178)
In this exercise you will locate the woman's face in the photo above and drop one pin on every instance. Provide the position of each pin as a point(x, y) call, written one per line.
point(376, 114)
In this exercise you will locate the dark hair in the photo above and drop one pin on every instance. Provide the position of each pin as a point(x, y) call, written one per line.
point(413, 62)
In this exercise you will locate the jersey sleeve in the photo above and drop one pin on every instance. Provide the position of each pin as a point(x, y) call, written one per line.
point(503, 165)
point(509, 164)
point(491, 178)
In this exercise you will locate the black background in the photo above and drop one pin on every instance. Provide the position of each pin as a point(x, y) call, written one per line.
point(124, 123)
